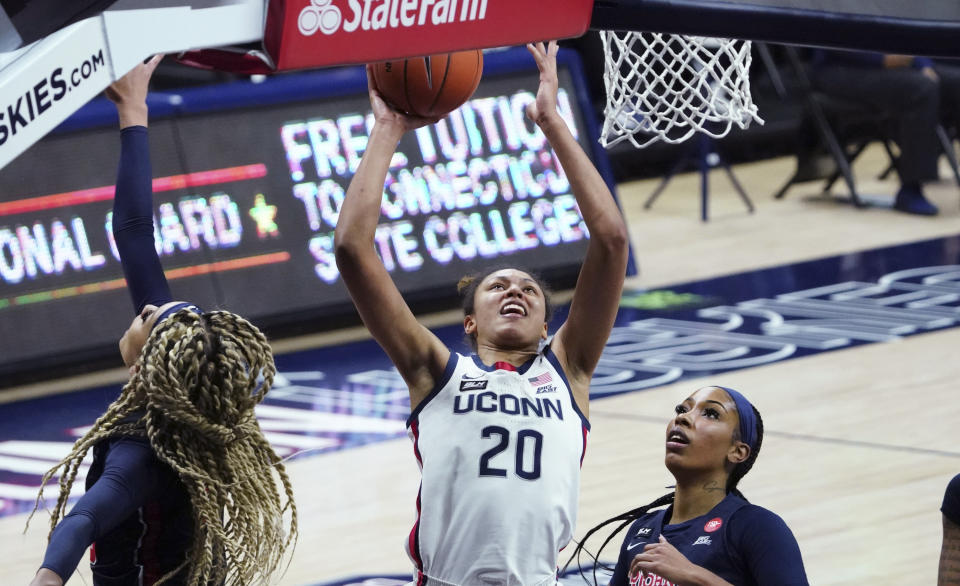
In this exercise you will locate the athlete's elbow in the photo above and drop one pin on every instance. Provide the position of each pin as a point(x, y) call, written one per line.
point(349, 249)
point(345, 249)
point(347, 238)
point(613, 238)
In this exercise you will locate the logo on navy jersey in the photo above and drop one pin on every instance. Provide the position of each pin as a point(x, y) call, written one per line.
point(703, 540)
point(649, 579)
point(644, 531)
point(713, 524)
point(472, 385)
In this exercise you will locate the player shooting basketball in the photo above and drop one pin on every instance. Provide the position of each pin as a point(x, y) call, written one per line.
point(709, 534)
point(499, 435)
point(181, 489)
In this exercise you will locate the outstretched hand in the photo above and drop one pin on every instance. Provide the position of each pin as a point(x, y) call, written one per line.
point(545, 106)
point(129, 93)
point(384, 113)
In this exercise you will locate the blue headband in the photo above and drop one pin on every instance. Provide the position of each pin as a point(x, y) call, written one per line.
point(175, 308)
point(748, 419)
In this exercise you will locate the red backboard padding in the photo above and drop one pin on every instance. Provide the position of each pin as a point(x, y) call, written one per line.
point(303, 34)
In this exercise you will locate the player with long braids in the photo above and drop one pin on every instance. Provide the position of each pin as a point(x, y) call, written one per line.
point(499, 434)
point(708, 534)
point(184, 489)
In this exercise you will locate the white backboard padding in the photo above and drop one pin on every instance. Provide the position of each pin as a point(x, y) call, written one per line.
point(42, 84)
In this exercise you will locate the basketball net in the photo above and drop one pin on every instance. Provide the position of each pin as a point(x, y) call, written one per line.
point(666, 87)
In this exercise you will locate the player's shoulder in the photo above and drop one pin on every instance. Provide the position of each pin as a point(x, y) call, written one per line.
point(951, 500)
point(953, 488)
point(753, 518)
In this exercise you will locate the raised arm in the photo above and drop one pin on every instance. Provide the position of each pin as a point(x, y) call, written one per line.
point(133, 201)
point(581, 339)
point(417, 353)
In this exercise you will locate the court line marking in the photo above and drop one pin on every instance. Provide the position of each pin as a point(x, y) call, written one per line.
point(799, 436)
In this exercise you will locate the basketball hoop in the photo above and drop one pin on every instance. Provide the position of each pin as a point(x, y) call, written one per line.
point(666, 87)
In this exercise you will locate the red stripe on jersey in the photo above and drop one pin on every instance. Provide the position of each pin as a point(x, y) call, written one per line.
point(414, 543)
point(149, 549)
point(583, 452)
point(415, 430)
point(414, 539)
point(500, 365)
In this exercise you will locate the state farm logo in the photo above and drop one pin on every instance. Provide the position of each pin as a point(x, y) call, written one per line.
point(323, 16)
point(319, 15)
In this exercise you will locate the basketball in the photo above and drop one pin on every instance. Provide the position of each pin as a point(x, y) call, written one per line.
point(429, 86)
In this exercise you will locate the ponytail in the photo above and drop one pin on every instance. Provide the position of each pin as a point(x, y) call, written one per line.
point(624, 519)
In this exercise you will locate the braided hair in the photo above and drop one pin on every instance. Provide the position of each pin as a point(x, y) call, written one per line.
point(193, 393)
point(625, 519)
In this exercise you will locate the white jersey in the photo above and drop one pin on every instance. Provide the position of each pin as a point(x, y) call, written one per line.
point(500, 455)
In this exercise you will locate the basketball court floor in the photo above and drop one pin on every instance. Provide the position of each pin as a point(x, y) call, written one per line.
point(840, 324)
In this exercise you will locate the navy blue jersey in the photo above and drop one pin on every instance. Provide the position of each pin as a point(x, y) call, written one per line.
point(135, 512)
point(742, 543)
point(951, 501)
point(135, 508)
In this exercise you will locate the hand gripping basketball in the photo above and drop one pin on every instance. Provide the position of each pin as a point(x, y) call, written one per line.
point(429, 87)
point(319, 15)
point(385, 112)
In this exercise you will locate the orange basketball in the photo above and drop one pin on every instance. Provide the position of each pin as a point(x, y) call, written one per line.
point(429, 86)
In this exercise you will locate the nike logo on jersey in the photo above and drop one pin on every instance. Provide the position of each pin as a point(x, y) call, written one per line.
point(703, 540)
point(473, 377)
point(635, 545)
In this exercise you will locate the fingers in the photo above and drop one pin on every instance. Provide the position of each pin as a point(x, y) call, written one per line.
point(153, 62)
point(639, 562)
point(534, 52)
point(531, 111)
point(539, 50)
point(544, 55)
point(375, 97)
point(370, 85)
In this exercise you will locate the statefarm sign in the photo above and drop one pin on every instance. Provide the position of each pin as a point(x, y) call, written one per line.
point(315, 33)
